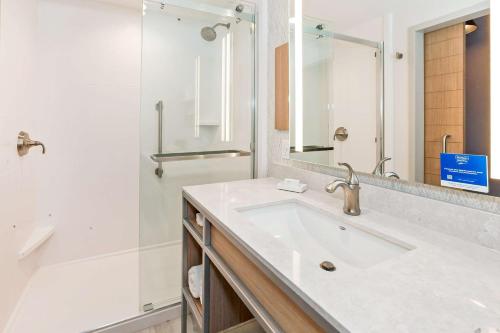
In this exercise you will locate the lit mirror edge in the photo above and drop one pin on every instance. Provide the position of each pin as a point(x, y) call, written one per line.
point(495, 86)
point(449, 195)
point(296, 99)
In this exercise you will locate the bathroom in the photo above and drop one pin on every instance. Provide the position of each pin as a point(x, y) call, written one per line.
point(153, 151)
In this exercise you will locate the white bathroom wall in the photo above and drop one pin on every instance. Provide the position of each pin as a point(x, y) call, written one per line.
point(70, 73)
point(18, 181)
point(87, 113)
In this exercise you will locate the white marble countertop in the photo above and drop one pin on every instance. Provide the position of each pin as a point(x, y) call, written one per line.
point(443, 285)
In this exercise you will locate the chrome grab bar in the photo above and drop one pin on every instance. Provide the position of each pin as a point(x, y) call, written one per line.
point(159, 108)
point(445, 143)
point(172, 157)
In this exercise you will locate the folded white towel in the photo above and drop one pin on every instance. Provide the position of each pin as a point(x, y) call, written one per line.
point(195, 279)
point(200, 219)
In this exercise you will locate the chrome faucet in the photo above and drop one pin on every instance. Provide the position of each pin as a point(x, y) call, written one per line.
point(350, 185)
point(379, 170)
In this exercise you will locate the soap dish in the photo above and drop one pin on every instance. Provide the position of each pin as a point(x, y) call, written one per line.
point(292, 187)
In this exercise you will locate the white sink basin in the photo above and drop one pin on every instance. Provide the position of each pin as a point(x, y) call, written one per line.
point(320, 236)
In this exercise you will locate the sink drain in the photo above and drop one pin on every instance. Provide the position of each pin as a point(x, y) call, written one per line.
point(328, 266)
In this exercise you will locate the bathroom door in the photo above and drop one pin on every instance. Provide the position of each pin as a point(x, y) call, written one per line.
point(197, 104)
point(444, 97)
point(356, 104)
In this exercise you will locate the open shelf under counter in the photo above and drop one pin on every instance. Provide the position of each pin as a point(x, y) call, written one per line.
point(192, 255)
point(266, 323)
point(195, 307)
point(189, 217)
point(224, 308)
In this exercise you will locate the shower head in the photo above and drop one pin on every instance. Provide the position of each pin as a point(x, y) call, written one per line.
point(240, 8)
point(209, 34)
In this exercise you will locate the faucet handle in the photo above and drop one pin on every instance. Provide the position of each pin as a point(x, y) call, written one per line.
point(352, 178)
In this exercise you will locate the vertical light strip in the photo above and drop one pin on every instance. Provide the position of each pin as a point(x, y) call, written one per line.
point(298, 78)
point(223, 91)
point(197, 97)
point(495, 86)
point(226, 89)
point(228, 118)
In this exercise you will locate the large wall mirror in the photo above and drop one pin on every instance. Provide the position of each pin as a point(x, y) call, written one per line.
point(398, 89)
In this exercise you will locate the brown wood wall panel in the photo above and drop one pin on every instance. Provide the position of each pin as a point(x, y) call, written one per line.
point(431, 179)
point(442, 116)
point(433, 149)
point(444, 96)
point(282, 88)
point(434, 133)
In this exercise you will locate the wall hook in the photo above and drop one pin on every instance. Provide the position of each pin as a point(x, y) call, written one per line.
point(24, 144)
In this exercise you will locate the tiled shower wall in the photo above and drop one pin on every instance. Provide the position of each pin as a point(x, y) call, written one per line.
point(18, 177)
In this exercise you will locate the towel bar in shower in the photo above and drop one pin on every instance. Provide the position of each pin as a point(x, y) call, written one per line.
point(199, 155)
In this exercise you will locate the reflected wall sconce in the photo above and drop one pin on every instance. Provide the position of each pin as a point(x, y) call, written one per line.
point(470, 26)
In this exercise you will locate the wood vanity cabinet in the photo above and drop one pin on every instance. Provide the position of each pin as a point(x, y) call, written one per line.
point(239, 293)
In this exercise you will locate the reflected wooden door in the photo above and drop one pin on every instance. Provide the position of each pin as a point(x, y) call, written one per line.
point(444, 96)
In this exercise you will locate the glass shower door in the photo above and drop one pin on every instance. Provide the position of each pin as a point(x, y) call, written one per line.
point(196, 123)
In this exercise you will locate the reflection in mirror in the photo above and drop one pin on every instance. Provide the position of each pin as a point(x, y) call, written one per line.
point(342, 106)
point(452, 125)
point(410, 80)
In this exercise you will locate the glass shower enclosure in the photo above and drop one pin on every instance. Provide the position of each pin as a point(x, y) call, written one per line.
point(197, 122)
